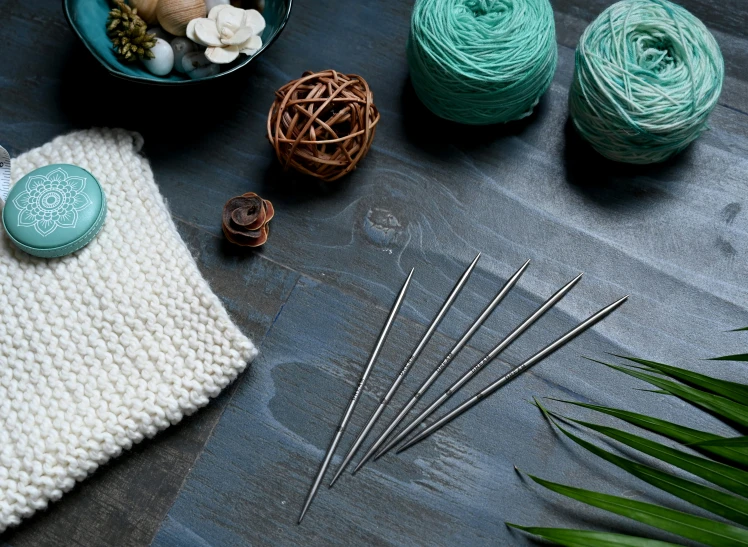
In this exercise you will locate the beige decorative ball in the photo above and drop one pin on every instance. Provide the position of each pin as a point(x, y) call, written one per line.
point(174, 15)
point(146, 9)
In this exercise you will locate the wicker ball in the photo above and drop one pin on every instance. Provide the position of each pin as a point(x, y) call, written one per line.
point(323, 123)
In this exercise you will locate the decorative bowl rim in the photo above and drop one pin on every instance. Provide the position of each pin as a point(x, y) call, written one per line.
point(141, 79)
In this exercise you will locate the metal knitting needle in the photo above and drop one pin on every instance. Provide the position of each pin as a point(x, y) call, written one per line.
point(406, 367)
point(445, 362)
point(512, 374)
point(356, 394)
point(465, 378)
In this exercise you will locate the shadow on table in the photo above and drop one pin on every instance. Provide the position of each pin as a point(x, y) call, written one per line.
point(613, 184)
point(169, 118)
point(292, 188)
point(604, 182)
point(444, 138)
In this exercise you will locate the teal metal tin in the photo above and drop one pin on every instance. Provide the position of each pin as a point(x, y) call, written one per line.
point(54, 211)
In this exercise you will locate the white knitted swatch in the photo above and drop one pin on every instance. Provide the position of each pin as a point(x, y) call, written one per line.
point(107, 346)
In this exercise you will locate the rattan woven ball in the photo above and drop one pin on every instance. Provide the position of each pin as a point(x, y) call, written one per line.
point(323, 124)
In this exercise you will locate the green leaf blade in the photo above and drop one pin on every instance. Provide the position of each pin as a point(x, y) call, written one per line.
point(721, 406)
point(586, 538)
point(715, 501)
point(679, 433)
point(737, 442)
point(728, 477)
point(732, 390)
point(689, 526)
point(737, 357)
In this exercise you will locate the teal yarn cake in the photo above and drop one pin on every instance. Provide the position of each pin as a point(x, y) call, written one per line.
point(482, 61)
point(647, 75)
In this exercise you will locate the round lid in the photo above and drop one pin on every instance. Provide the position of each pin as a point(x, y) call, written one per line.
point(55, 210)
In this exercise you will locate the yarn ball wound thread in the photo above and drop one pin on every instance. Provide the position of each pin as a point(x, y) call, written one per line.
point(647, 75)
point(323, 124)
point(482, 61)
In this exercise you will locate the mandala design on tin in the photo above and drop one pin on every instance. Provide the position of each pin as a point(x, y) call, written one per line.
point(51, 201)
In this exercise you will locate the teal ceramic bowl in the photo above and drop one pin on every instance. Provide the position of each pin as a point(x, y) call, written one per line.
point(88, 18)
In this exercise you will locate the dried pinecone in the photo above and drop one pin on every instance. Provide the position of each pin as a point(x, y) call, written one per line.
point(127, 31)
point(245, 219)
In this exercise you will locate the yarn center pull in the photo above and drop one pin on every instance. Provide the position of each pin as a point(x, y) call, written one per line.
point(654, 54)
point(491, 8)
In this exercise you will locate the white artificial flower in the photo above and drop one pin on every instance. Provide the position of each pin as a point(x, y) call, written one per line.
point(227, 32)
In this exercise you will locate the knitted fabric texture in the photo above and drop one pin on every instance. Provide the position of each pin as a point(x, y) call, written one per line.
point(107, 346)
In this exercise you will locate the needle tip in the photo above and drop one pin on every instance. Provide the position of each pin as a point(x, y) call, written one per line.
point(335, 478)
point(404, 447)
point(522, 269)
point(415, 440)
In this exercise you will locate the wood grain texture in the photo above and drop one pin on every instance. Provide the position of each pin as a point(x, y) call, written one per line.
point(429, 196)
point(456, 488)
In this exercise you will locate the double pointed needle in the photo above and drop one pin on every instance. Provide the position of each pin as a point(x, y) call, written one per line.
point(465, 378)
point(356, 395)
point(511, 375)
point(406, 367)
point(445, 362)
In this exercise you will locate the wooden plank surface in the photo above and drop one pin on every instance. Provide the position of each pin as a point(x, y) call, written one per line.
point(430, 195)
point(457, 488)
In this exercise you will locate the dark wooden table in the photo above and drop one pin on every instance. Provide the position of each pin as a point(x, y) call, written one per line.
point(429, 196)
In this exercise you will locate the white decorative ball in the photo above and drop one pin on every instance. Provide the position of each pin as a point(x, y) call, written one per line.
point(163, 60)
point(181, 47)
point(197, 65)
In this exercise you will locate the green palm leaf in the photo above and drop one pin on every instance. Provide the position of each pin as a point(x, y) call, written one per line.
point(689, 526)
point(723, 461)
point(721, 406)
point(716, 501)
point(586, 538)
point(730, 441)
point(737, 357)
point(736, 330)
point(732, 390)
point(686, 435)
point(726, 476)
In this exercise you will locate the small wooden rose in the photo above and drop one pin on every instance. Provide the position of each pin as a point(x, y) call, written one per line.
point(245, 220)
